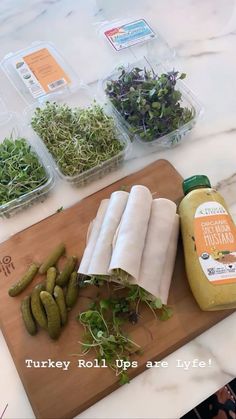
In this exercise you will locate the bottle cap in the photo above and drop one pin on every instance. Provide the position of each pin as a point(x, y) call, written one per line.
point(195, 182)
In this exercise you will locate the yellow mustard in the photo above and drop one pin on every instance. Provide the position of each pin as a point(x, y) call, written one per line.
point(209, 240)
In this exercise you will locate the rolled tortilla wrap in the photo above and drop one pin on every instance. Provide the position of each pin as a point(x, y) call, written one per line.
point(92, 235)
point(102, 253)
point(129, 244)
point(158, 237)
point(170, 262)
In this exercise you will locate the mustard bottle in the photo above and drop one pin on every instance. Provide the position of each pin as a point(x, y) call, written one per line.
point(209, 240)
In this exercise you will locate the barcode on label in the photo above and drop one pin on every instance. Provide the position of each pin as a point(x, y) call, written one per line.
point(56, 84)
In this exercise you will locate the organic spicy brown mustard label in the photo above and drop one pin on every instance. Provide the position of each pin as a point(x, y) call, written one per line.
point(215, 238)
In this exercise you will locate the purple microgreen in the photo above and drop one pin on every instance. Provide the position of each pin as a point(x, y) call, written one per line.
point(150, 103)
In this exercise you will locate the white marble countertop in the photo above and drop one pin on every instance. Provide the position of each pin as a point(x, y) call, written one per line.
point(203, 33)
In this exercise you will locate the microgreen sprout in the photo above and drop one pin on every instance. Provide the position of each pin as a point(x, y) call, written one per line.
point(139, 295)
point(79, 139)
point(20, 170)
point(103, 323)
point(103, 334)
point(150, 103)
point(98, 280)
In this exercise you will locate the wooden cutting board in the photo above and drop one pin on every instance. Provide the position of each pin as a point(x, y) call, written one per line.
point(57, 393)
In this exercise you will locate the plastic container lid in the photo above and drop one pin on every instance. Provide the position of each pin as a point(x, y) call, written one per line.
point(195, 182)
point(38, 71)
point(135, 36)
point(135, 43)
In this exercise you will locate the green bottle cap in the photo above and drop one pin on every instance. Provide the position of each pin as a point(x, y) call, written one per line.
point(195, 182)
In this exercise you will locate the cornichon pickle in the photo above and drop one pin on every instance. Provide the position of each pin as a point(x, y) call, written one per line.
point(37, 306)
point(27, 316)
point(52, 258)
point(24, 281)
point(64, 276)
point(53, 314)
point(72, 290)
point(60, 300)
point(51, 279)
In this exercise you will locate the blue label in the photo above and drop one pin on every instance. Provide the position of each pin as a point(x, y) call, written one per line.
point(129, 34)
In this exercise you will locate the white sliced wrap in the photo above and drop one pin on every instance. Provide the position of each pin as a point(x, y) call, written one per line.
point(92, 235)
point(102, 253)
point(155, 254)
point(170, 262)
point(130, 239)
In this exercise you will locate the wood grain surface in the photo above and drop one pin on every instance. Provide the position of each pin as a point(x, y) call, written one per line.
point(57, 393)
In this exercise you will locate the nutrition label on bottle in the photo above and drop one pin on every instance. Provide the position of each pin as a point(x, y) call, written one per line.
point(215, 239)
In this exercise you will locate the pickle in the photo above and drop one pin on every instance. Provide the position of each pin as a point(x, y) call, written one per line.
point(64, 276)
point(72, 290)
point(37, 306)
point(52, 258)
point(51, 279)
point(27, 316)
point(24, 281)
point(53, 314)
point(60, 300)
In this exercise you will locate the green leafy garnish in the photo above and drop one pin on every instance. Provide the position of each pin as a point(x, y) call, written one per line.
point(20, 170)
point(98, 280)
point(104, 335)
point(165, 313)
point(103, 322)
point(138, 294)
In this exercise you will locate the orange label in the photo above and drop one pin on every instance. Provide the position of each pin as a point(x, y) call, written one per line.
point(215, 238)
point(46, 70)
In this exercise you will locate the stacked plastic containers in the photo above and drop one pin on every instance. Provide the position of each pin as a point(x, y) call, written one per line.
point(41, 75)
point(65, 90)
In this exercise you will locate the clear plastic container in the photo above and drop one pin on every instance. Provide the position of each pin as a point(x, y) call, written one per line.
point(38, 61)
point(141, 46)
point(82, 97)
point(188, 100)
point(39, 70)
point(11, 127)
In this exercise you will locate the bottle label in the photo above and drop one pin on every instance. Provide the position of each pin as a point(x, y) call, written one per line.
point(215, 240)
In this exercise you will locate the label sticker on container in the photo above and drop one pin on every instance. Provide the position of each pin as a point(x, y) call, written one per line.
point(129, 34)
point(41, 73)
point(215, 239)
